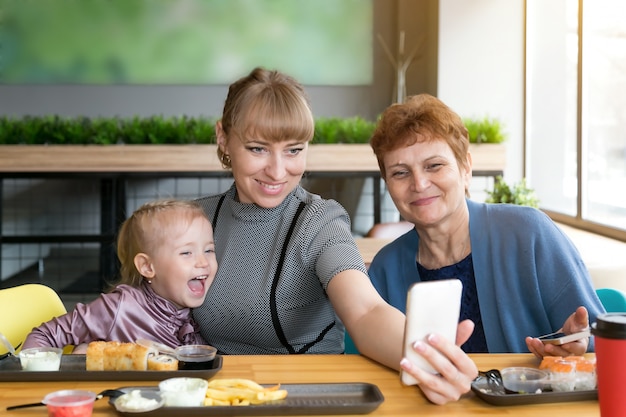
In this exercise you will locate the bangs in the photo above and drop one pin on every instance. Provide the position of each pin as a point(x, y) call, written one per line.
point(275, 116)
point(402, 131)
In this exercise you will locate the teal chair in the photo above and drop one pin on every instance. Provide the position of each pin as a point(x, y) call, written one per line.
point(613, 300)
point(350, 347)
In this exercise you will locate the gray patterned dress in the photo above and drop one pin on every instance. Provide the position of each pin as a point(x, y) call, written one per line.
point(274, 265)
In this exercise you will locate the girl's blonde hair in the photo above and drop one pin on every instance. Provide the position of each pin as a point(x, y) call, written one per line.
point(266, 104)
point(146, 229)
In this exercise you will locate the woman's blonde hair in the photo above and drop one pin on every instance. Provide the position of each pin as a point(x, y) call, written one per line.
point(266, 104)
point(146, 229)
point(420, 118)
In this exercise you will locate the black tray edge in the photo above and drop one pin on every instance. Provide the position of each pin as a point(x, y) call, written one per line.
point(525, 399)
point(83, 375)
point(374, 394)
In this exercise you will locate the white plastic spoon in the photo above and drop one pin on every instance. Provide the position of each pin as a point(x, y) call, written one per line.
point(7, 344)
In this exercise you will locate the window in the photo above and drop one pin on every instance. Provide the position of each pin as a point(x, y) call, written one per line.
point(576, 111)
point(604, 112)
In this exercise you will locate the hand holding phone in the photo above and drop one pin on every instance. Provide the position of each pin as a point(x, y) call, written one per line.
point(432, 307)
point(560, 338)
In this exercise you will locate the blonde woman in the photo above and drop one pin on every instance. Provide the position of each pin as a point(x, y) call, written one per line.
point(291, 276)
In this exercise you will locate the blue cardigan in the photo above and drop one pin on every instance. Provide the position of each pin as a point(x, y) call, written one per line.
point(529, 275)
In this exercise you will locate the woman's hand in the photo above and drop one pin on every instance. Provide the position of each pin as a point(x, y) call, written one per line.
point(456, 370)
point(80, 349)
point(577, 322)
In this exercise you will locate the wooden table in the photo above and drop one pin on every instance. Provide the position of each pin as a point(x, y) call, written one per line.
point(399, 400)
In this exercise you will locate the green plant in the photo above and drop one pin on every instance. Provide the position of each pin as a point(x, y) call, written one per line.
point(56, 130)
point(343, 130)
point(485, 130)
point(519, 193)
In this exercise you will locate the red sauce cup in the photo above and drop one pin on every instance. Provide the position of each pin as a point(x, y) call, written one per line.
point(70, 403)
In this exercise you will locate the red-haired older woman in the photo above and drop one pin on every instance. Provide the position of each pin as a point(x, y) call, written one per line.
point(521, 275)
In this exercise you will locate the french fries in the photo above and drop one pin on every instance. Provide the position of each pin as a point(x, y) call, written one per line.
point(241, 392)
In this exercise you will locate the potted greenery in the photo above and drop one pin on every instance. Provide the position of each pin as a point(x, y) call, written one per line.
point(348, 137)
point(155, 130)
point(343, 130)
point(519, 193)
point(56, 130)
point(485, 130)
point(152, 144)
point(487, 136)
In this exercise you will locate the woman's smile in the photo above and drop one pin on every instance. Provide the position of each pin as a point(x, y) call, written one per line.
point(271, 188)
point(424, 201)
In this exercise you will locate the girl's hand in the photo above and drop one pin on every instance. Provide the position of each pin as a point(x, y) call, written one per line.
point(456, 370)
point(80, 349)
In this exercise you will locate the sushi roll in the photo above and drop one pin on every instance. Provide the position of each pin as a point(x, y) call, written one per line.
point(586, 378)
point(162, 362)
point(94, 358)
point(117, 356)
point(562, 375)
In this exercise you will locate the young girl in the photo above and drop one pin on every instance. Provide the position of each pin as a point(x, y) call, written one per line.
point(167, 257)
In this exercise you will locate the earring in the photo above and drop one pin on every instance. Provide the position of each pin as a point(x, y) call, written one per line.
point(149, 281)
point(225, 160)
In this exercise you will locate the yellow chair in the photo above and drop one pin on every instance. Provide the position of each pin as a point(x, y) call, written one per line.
point(25, 307)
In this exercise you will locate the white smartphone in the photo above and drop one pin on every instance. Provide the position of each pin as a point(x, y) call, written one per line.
point(431, 307)
point(560, 338)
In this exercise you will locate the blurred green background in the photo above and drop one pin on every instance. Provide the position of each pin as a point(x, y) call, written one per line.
point(320, 42)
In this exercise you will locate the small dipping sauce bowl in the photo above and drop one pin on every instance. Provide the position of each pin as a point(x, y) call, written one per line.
point(524, 380)
point(41, 359)
point(183, 391)
point(138, 401)
point(70, 403)
point(193, 357)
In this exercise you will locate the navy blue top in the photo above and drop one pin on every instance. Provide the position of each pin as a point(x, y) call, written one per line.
point(470, 309)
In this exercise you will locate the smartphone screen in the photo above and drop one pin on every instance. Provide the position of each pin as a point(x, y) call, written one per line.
point(432, 307)
point(560, 338)
point(552, 336)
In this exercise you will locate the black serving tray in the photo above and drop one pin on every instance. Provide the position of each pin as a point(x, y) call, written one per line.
point(482, 389)
point(73, 369)
point(302, 399)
